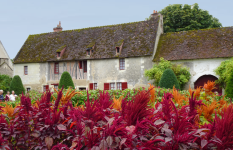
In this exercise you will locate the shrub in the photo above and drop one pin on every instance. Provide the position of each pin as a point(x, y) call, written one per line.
point(229, 87)
point(17, 85)
point(182, 73)
point(66, 81)
point(168, 80)
point(5, 81)
point(224, 72)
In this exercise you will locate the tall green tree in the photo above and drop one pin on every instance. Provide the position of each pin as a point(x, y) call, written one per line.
point(17, 85)
point(66, 81)
point(5, 82)
point(186, 17)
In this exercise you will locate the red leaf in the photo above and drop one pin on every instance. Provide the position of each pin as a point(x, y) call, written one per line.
point(61, 127)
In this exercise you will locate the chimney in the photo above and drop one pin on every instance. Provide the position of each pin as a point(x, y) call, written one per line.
point(58, 28)
point(155, 14)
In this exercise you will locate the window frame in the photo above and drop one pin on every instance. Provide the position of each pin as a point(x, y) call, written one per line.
point(119, 86)
point(117, 50)
point(25, 70)
point(122, 63)
point(56, 68)
point(95, 86)
point(85, 66)
point(28, 88)
point(58, 54)
point(112, 87)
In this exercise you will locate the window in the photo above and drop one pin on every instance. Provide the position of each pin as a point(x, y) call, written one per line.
point(28, 89)
point(45, 88)
point(88, 52)
point(122, 85)
point(56, 68)
point(112, 86)
point(82, 89)
point(59, 54)
point(56, 86)
point(93, 86)
point(85, 66)
point(119, 86)
point(80, 65)
point(25, 70)
point(122, 64)
point(118, 49)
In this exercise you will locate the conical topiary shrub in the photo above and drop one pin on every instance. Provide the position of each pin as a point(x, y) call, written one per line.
point(66, 81)
point(229, 86)
point(168, 80)
point(17, 85)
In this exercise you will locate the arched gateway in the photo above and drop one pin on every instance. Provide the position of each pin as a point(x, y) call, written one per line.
point(203, 79)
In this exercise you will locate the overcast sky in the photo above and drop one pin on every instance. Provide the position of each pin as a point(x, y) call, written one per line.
point(20, 18)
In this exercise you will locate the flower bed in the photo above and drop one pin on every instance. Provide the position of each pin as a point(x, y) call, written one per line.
point(180, 120)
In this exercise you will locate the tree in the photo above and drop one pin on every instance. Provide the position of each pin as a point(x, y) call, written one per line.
point(66, 81)
point(186, 17)
point(17, 85)
point(168, 80)
point(224, 72)
point(182, 73)
point(229, 86)
point(5, 81)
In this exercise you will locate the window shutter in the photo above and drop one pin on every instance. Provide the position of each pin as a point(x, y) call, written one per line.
point(106, 86)
point(124, 85)
point(85, 66)
point(80, 65)
point(91, 86)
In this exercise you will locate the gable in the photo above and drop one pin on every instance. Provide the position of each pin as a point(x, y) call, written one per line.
point(198, 44)
point(138, 38)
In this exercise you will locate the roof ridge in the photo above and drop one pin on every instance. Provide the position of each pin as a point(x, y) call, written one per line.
point(113, 25)
point(197, 30)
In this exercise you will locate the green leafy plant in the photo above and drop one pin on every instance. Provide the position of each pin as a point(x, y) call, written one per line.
point(229, 87)
point(66, 81)
point(168, 80)
point(17, 85)
point(224, 72)
point(5, 81)
point(182, 73)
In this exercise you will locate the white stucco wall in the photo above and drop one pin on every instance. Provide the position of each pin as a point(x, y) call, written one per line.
point(33, 76)
point(200, 67)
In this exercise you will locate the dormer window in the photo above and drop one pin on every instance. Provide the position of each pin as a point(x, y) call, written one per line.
point(119, 46)
point(90, 48)
point(60, 51)
point(118, 49)
point(89, 51)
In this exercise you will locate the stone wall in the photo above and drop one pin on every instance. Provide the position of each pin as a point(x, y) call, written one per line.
point(107, 71)
point(5, 69)
point(200, 67)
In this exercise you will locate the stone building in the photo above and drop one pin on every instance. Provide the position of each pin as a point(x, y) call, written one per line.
point(116, 56)
point(6, 66)
point(202, 51)
point(106, 57)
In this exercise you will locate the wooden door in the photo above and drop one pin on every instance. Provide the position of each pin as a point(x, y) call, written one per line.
point(204, 79)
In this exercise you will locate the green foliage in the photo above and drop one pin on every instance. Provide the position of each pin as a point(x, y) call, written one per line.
point(17, 85)
point(66, 81)
point(5, 81)
point(229, 86)
point(182, 73)
point(168, 80)
point(186, 17)
point(224, 72)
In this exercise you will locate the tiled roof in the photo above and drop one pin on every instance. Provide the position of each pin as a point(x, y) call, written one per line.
point(198, 44)
point(138, 38)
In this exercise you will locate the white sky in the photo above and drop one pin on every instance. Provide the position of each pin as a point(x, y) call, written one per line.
point(20, 18)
